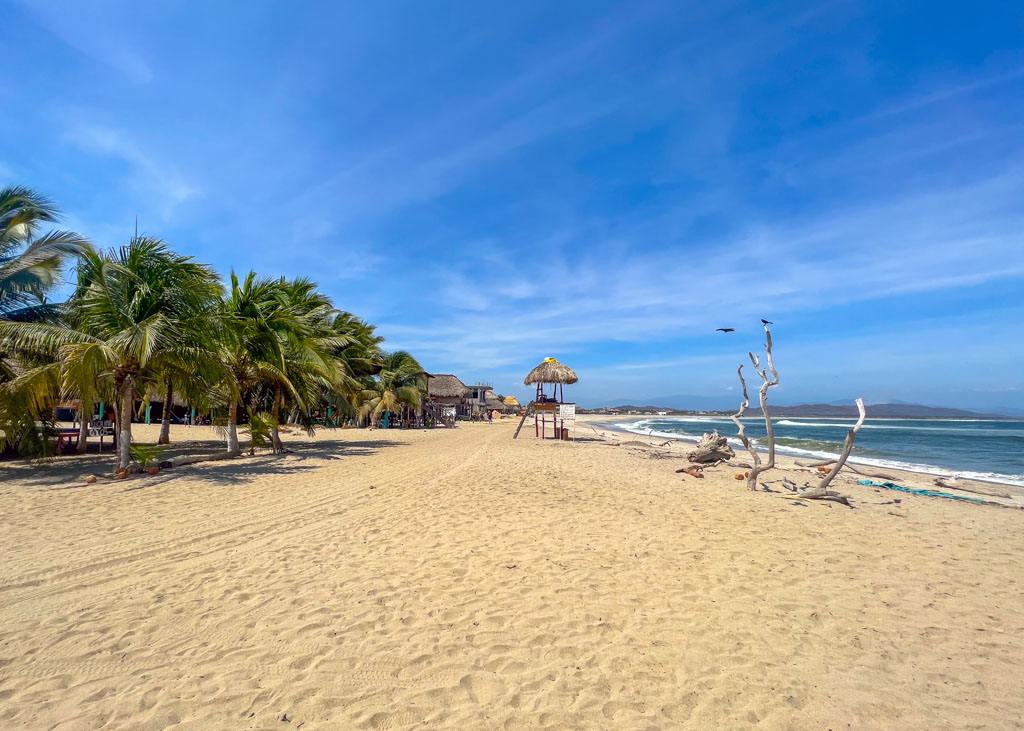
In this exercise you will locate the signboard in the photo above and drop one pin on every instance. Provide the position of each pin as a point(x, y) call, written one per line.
point(567, 412)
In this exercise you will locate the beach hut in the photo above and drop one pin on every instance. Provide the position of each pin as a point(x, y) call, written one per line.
point(512, 404)
point(493, 403)
point(557, 375)
point(446, 398)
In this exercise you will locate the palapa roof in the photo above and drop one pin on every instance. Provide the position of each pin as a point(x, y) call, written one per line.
point(551, 371)
point(445, 385)
point(512, 401)
point(493, 402)
point(155, 393)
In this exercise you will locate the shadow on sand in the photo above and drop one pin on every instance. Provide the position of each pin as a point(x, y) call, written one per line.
point(57, 473)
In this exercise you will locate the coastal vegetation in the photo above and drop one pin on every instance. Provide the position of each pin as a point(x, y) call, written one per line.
point(142, 322)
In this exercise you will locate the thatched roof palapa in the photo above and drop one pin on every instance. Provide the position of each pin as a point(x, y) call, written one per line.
point(551, 371)
point(512, 401)
point(445, 385)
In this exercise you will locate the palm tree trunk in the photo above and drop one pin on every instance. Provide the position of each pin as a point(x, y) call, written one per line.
point(233, 426)
point(275, 437)
point(165, 420)
point(124, 441)
point(84, 415)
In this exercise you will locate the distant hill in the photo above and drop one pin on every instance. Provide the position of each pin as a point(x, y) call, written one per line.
point(878, 411)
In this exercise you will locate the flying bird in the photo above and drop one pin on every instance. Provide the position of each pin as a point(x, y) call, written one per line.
point(725, 329)
point(766, 322)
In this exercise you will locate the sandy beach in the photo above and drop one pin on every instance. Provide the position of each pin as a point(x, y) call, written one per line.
point(460, 579)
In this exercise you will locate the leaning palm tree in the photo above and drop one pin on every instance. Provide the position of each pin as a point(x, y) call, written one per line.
point(309, 363)
point(130, 316)
point(30, 263)
point(252, 329)
point(400, 385)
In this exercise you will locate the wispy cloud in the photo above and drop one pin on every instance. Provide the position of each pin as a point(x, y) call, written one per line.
point(150, 177)
point(926, 241)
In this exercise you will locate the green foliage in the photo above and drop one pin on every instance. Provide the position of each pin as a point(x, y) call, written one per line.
point(146, 454)
point(30, 264)
point(261, 424)
point(143, 319)
point(400, 384)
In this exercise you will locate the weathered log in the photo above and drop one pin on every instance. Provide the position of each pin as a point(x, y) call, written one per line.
point(847, 447)
point(712, 447)
point(820, 493)
point(182, 461)
point(951, 483)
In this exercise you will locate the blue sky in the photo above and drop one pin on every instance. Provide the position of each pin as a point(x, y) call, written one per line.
point(601, 182)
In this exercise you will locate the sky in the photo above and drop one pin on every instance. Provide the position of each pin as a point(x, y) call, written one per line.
point(601, 182)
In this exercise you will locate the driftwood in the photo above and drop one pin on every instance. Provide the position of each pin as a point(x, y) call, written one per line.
point(182, 461)
point(740, 426)
point(691, 471)
point(712, 447)
point(952, 483)
point(767, 383)
point(847, 447)
point(832, 460)
point(820, 493)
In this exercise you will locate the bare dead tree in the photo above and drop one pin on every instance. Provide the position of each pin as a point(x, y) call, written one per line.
point(766, 383)
point(847, 446)
point(821, 492)
point(742, 428)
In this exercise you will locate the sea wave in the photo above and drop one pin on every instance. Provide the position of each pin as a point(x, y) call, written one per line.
point(947, 430)
point(641, 427)
point(807, 444)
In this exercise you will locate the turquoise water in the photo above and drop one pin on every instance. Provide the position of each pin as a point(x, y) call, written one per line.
point(988, 450)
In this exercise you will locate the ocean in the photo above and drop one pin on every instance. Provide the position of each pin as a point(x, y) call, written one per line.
point(978, 449)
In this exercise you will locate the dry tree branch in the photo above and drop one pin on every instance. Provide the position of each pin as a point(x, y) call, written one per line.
point(765, 385)
point(847, 447)
point(832, 460)
point(741, 426)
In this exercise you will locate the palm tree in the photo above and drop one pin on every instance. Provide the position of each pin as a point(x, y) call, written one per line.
point(310, 366)
point(253, 327)
point(30, 264)
point(399, 386)
point(129, 319)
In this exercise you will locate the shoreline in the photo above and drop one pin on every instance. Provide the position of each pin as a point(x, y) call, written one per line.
point(971, 484)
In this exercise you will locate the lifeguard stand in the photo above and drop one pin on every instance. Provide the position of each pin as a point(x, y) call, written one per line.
point(554, 374)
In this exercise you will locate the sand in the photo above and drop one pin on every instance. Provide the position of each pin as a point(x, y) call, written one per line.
point(460, 579)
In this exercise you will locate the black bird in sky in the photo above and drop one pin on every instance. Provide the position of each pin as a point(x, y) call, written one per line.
point(766, 322)
point(725, 329)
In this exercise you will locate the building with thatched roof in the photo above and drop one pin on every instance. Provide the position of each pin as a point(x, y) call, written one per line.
point(446, 398)
point(446, 388)
point(493, 403)
point(513, 403)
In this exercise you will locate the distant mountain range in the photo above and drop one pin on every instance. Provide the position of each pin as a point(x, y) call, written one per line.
point(897, 410)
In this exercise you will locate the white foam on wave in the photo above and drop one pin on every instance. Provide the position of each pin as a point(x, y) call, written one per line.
point(640, 427)
point(947, 430)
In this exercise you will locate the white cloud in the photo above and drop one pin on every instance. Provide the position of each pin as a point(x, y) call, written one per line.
point(151, 178)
